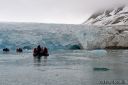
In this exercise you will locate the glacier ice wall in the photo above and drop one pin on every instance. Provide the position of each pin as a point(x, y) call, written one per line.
point(97, 37)
point(28, 36)
point(60, 36)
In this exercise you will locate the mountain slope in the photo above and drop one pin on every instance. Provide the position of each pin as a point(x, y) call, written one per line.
point(116, 16)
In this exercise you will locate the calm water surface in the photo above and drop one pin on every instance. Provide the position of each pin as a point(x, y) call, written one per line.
point(65, 68)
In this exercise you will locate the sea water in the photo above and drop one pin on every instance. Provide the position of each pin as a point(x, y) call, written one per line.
point(64, 68)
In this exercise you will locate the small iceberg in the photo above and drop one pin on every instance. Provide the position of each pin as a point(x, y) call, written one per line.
point(99, 53)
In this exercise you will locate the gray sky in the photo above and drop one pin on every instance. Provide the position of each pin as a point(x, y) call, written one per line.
point(52, 11)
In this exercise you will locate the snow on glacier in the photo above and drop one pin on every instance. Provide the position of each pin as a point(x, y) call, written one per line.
point(113, 16)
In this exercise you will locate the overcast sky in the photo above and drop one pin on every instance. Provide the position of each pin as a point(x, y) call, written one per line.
point(52, 11)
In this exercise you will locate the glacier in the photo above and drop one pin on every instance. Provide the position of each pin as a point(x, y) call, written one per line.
point(62, 36)
point(29, 35)
point(104, 37)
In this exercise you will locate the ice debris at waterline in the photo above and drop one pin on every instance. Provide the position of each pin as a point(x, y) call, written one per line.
point(60, 36)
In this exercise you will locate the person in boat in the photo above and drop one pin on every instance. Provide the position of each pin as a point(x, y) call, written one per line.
point(45, 52)
point(20, 50)
point(38, 49)
point(6, 50)
point(42, 50)
point(35, 52)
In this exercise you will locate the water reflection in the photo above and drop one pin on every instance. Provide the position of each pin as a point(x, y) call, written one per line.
point(39, 61)
point(115, 53)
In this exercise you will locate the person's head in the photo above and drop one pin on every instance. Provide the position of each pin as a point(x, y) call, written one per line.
point(38, 46)
point(45, 48)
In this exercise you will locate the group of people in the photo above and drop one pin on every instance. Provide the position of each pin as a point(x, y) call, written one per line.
point(40, 51)
point(18, 50)
point(6, 50)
